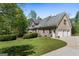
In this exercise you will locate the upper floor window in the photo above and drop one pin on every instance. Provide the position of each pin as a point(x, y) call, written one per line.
point(65, 22)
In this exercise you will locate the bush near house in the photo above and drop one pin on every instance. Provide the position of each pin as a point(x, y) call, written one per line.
point(75, 25)
point(75, 29)
point(30, 35)
point(8, 37)
point(22, 50)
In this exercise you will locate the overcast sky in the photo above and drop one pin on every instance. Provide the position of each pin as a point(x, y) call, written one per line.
point(46, 9)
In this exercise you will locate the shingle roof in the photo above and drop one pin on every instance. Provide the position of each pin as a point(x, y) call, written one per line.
point(50, 21)
point(36, 21)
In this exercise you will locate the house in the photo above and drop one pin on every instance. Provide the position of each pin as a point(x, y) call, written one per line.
point(53, 26)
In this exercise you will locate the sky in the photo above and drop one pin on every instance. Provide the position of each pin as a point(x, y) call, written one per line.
point(46, 9)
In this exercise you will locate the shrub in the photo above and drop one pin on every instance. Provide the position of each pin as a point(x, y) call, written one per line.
point(39, 35)
point(30, 35)
point(8, 37)
point(18, 50)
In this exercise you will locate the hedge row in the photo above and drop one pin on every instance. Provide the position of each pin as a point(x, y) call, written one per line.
point(21, 50)
point(30, 35)
point(8, 37)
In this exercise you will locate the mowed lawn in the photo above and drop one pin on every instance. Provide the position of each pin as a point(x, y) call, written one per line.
point(41, 45)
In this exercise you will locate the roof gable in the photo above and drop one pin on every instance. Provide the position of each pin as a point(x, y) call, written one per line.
point(51, 21)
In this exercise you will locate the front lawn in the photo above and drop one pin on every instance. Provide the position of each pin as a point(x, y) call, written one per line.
point(41, 45)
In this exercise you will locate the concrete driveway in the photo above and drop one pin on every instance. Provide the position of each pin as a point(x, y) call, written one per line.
point(72, 48)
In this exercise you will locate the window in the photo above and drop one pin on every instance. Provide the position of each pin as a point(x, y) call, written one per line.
point(64, 22)
point(50, 31)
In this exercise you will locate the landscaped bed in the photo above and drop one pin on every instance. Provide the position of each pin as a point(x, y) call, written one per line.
point(41, 45)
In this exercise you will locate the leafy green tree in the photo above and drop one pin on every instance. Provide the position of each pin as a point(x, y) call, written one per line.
point(77, 17)
point(75, 24)
point(38, 18)
point(4, 25)
point(13, 17)
point(21, 21)
point(32, 15)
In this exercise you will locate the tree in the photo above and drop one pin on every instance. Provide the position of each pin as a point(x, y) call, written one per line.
point(4, 24)
point(77, 17)
point(38, 18)
point(21, 22)
point(14, 17)
point(32, 15)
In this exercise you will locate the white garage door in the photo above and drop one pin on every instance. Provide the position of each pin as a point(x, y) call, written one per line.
point(60, 33)
point(69, 33)
point(64, 33)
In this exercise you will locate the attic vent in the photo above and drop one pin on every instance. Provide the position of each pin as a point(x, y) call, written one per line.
point(64, 22)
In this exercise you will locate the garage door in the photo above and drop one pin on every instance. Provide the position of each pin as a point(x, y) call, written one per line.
point(65, 33)
point(69, 33)
point(60, 33)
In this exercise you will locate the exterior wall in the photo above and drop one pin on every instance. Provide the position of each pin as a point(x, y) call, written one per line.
point(40, 32)
point(53, 34)
point(31, 31)
point(64, 29)
point(45, 33)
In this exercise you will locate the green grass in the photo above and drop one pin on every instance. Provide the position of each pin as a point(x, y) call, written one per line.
point(41, 45)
